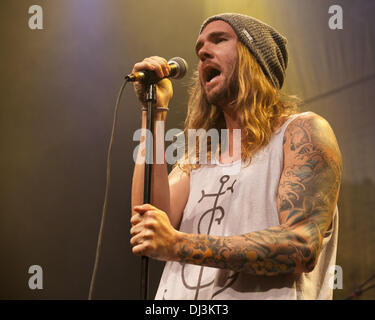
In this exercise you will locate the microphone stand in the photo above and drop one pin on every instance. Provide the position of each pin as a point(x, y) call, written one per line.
point(151, 100)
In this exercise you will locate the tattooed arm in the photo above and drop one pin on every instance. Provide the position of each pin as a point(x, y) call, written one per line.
point(307, 197)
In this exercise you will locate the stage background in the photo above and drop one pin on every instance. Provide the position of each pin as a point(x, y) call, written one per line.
point(58, 90)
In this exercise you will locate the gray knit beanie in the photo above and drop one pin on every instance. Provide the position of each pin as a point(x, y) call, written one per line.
point(264, 43)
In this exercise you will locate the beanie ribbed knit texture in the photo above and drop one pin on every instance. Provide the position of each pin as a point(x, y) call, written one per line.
point(264, 43)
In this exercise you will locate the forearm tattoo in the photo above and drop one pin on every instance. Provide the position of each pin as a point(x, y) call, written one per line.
point(307, 197)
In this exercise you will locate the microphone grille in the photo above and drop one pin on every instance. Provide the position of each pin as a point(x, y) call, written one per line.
point(182, 67)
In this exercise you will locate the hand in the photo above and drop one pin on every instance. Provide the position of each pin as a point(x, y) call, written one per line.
point(164, 89)
point(153, 234)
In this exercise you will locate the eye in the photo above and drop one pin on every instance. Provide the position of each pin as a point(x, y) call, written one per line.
point(218, 40)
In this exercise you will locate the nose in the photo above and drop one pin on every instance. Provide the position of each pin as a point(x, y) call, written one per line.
point(205, 52)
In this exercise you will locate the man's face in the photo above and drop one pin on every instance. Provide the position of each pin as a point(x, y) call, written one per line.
point(216, 49)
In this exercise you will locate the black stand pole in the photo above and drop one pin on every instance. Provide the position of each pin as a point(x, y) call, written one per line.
point(151, 99)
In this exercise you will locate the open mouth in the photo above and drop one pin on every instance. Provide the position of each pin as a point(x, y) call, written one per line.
point(212, 73)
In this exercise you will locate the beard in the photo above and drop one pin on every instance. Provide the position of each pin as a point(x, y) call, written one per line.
point(226, 94)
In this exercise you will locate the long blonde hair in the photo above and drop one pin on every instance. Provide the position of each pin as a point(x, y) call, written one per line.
point(259, 105)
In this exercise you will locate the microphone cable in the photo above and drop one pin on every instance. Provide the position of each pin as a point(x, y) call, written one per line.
point(361, 289)
point(105, 204)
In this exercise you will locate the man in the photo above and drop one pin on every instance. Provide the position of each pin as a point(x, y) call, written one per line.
point(268, 231)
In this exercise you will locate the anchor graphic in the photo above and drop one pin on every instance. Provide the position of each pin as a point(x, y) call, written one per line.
point(223, 180)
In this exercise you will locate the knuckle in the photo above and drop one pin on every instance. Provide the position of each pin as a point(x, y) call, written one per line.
point(136, 251)
point(133, 231)
point(150, 224)
point(147, 63)
point(134, 219)
point(150, 66)
point(148, 245)
point(137, 66)
point(149, 213)
point(149, 235)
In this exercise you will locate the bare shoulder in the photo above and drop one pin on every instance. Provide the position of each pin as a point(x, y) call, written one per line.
point(312, 164)
point(310, 132)
point(178, 172)
point(311, 176)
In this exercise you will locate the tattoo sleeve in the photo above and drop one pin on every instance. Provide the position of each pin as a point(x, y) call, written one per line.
point(307, 197)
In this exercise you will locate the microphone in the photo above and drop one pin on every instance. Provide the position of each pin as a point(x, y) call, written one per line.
point(178, 66)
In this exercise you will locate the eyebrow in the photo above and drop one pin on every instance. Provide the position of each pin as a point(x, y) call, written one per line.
point(212, 35)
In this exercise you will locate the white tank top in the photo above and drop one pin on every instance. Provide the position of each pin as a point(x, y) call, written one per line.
point(234, 199)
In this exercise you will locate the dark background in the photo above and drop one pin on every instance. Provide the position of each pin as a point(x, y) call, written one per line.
point(58, 90)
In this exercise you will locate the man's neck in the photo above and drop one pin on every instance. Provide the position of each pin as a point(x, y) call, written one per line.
point(231, 118)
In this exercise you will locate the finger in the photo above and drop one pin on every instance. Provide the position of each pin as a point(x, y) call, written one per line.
point(166, 69)
point(143, 65)
point(149, 215)
point(143, 208)
point(156, 67)
point(140, 92)
point(149, 223)
point(163, 64)
point(135, 219)
point(142, 249)
point(135, 230)
point(157, 64)
point(139, 250)
point(136, 240)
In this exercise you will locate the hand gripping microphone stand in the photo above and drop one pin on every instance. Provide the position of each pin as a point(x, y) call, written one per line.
point(178, 69)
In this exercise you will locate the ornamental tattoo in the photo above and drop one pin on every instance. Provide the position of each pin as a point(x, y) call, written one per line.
point(307, 197)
